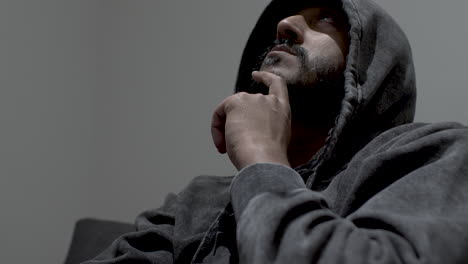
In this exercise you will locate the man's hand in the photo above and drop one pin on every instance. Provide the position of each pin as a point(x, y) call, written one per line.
point(254, 128)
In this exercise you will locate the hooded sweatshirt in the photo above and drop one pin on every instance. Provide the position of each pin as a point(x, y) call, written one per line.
point(381, 190)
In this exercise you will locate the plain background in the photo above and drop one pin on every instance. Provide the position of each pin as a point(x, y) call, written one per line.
point(105, 105)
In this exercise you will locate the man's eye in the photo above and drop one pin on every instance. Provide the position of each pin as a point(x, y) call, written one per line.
point(327, 19)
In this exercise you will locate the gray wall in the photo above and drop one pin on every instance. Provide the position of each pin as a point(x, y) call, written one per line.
point(105, 105)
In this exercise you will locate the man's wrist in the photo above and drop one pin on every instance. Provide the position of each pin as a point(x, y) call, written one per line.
point(259, 155)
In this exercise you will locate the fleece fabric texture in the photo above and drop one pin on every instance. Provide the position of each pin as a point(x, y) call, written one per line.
point(381, 190)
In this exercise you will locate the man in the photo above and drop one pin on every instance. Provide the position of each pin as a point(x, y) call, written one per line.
point(331, 169)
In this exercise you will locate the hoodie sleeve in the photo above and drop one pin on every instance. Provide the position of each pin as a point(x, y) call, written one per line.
point(402, 199)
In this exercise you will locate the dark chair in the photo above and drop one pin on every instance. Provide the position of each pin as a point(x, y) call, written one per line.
point(92, 236)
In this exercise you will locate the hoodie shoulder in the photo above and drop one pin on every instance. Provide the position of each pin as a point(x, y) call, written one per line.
point(208, 188)
point(431, 155)
point(418, 135)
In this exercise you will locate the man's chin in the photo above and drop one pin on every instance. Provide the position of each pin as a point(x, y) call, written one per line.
point(281, 72)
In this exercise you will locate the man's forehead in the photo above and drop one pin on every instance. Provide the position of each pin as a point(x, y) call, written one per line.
point(320, 9)
point(335, 6)
point(329, 3)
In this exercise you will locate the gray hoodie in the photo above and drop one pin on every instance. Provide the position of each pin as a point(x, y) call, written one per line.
point(381, 190)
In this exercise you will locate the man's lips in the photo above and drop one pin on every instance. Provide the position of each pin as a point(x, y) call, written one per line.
point(283, 48)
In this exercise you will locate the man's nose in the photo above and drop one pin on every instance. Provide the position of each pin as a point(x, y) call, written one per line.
point(291, 28)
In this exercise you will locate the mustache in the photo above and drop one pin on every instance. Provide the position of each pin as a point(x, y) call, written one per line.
point(300, 52)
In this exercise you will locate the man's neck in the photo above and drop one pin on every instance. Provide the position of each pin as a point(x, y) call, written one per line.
point(305, 142)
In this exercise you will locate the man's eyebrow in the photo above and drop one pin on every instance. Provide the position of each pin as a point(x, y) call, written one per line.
point(336, 12)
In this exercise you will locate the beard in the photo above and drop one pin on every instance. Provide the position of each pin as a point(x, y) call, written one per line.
point(315, 91)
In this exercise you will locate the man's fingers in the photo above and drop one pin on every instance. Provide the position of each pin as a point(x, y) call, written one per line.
point(277, 85)
point(218, 122)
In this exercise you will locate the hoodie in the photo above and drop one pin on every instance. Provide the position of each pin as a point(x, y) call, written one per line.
point(381, 190)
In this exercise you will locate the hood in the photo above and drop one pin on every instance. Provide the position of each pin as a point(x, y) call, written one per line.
point(379, 87)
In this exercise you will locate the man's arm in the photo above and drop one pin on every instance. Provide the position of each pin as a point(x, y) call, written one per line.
point(402, 199)
point(173, 232)
point(153, 240)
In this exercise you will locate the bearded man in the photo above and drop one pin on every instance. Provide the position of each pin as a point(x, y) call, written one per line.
point(331, 167)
